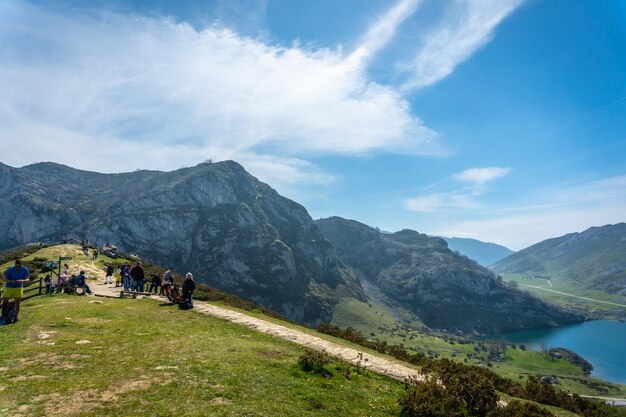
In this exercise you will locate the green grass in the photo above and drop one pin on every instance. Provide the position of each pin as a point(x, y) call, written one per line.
point(567, 286)
point(146, 359)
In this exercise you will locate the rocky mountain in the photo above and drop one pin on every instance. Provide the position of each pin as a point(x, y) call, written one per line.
point(485, 253)
point(215, 219)
point(591, 260)
point(444, 289)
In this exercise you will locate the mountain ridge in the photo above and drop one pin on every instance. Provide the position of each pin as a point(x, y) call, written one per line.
point(594, 259)
point(237, 233)
point(442, 288)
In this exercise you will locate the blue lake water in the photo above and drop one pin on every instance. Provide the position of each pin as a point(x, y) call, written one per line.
point(601, 342)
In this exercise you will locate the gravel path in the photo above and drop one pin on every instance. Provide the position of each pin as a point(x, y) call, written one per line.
point(360, 358)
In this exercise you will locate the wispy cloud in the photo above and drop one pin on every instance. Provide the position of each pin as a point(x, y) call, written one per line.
point(466, 27)
point(551, 212)
point(383, 31)
point(156, 87)
point(476, 180)
point(481, 176)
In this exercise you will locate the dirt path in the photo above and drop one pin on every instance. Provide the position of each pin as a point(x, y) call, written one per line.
point(365, 360)
point(572, 295)
point(374, 363)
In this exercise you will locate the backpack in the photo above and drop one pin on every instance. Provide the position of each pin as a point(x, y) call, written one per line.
point(8, 314)
point(184, 305)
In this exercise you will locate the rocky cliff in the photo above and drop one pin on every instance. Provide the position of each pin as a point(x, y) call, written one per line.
point(233, 231)
point(442, 288)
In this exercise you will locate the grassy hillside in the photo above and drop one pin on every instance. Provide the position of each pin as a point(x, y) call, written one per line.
point(591, 264)
point(70, 356)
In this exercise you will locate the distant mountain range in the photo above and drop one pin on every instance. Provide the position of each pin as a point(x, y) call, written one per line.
point(239, 235)
point(593, 260)
point(485, 253)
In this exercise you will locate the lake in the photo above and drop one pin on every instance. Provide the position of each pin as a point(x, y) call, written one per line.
point(601, 342)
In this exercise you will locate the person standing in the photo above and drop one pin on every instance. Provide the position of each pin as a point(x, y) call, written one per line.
point(108, 276)
point(126, 276)
point(15, 278)
point(167, 281)
point(66, 270)
point(138, 277)
point(48, 283)
point(189, 285)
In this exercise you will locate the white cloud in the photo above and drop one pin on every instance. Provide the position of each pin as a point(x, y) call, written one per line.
point(465, 198)
point(466, 27)
point(442, 201)
point(554, 211)
point(161, 93)
point(481, 176)
point(383, 31)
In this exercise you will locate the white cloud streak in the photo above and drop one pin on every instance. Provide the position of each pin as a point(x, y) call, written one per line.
point(465, 198)
point(481, 176)
point(466, 27)
point(554, 211)
point(383, 31)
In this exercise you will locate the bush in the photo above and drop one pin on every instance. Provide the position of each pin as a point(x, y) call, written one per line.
point(314, 362)
point(427, 399)
point(522, 409)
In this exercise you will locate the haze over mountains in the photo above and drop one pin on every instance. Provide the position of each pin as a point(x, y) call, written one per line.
point(239, 235)
point(485, 253)
point(594, 259)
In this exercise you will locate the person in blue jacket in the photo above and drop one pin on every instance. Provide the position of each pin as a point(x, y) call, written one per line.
point(15, 278)
point(80, 281)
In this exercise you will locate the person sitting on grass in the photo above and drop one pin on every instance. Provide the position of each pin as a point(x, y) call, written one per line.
point(15, 278)
point(189, 285)
point(80, 282)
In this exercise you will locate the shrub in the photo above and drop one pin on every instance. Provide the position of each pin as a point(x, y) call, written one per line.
point(314, 362)
point(522, 409)
point(427, 399)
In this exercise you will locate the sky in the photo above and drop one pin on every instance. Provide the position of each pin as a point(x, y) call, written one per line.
point(499, 120)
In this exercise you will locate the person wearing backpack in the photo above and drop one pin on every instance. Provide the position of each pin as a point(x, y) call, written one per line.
point(15, 278)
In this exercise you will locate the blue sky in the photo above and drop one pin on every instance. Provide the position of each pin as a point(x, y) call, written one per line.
point(501, 120)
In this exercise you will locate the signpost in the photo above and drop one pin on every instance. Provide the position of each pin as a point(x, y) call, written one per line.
point(62, 258)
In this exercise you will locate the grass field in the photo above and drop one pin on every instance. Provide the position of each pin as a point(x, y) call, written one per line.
point(71, 357)
point(557, 283)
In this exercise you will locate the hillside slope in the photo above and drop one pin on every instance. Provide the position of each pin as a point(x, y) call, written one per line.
point(443, 289)
point(593, 260)
point(485, 253)
point(235, 232)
